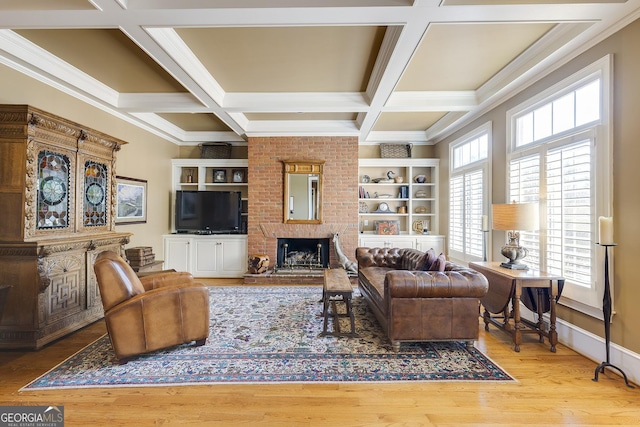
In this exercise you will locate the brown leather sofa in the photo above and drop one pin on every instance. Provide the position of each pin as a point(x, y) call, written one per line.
point(152, 312)
point(416, 305)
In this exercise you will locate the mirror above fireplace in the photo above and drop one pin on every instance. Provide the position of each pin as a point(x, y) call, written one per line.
point(303, 191)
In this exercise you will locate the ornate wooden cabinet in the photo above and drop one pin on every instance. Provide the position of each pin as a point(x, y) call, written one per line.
point(57, 197)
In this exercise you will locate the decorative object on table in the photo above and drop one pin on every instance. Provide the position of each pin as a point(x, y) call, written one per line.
point(401, 209)
point(365, 179)
point(420, 179)
point(215, 150)
point(398, 179)
point(238, 175)
point(344, 262)
point(605, 235)
point(131, 200)
point(421, 210)
point(258, 263)
point(383, 208)
point(389, 178)
point(395, 150)
point(421, 194)
point(388, 227)
point(219, 175)
point(513, 218)
point(363, 207)
point(421, 226)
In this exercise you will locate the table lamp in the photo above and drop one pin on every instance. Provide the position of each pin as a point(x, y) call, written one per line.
point(515, 217)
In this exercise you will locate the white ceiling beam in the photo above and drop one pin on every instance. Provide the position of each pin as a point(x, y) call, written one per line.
point(376, 137)
point(298, 102)
point(161, 103)
point(302, 128)
point(463, 100)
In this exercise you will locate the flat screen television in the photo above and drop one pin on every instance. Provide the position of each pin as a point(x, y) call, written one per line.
point(208, 211)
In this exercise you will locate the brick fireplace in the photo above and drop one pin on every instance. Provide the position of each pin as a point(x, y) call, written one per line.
point(266, 194)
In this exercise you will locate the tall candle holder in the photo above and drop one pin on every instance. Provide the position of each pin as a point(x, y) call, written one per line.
point(484, 244)
point(606, 310)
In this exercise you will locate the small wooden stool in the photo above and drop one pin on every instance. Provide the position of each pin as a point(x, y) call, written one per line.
point(337, 288)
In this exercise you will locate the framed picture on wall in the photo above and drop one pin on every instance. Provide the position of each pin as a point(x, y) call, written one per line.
point(388, 227)
point(238, 175)
point(219, 175)
point(131, 200)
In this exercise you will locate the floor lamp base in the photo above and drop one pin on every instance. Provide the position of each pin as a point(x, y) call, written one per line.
point(603, 365)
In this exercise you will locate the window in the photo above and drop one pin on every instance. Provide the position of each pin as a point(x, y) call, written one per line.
point(468, 194)
point(559, 156)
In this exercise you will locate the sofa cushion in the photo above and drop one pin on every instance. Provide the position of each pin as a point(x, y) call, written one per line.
point(429, 258)
point(439, 264)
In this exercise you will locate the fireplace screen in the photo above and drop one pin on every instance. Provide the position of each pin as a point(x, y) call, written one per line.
point(302, 254)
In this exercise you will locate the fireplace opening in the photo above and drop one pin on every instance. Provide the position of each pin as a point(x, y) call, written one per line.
point(296, 254)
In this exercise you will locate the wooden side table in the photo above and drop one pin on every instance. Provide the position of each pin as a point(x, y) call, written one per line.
point(511, 283)
point(337, 287)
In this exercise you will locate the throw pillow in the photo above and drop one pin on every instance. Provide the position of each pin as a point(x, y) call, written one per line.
point(439, 263)
point(429, 259)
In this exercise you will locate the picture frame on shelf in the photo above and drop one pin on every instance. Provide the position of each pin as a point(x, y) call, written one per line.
point(388, 227)
point(238, 175)
point(131, 200)
point(219, 175)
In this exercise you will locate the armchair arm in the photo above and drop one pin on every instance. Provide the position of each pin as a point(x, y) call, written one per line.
point(162, 279)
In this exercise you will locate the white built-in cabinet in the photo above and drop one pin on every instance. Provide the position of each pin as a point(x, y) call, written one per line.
point(422, 243)
point(206, 256)
point(217, 255)
point(405, 206)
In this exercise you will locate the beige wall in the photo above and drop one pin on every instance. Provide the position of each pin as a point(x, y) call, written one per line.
point(146, 156)
point(626, 175)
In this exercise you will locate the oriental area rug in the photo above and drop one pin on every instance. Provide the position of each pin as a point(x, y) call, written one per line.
point(270, 335)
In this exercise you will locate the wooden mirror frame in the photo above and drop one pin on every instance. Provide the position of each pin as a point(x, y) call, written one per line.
point(303, 167)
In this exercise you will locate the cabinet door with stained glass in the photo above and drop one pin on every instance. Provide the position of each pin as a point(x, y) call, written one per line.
point(53, 200)
point(95, 211)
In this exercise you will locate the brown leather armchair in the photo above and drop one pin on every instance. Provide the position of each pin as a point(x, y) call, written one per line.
point(152, 312)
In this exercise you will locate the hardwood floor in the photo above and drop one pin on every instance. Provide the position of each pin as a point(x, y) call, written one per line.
point(552, 389)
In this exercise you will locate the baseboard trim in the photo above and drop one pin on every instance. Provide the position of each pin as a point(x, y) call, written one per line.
point(592, 347)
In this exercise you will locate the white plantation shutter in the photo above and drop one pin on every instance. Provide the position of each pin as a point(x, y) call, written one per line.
point(468, 194)
point(456, 213)
point(570, 212)
point(466, 207)
point(474, 200)
point(524, 187)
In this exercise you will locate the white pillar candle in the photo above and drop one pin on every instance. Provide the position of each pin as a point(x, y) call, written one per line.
point(485, 223)
point(606, 230)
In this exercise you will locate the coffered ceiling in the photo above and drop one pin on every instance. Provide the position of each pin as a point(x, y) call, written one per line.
point(193, 71)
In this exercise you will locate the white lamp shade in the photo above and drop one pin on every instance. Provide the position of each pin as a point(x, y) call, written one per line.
point(515, 216)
